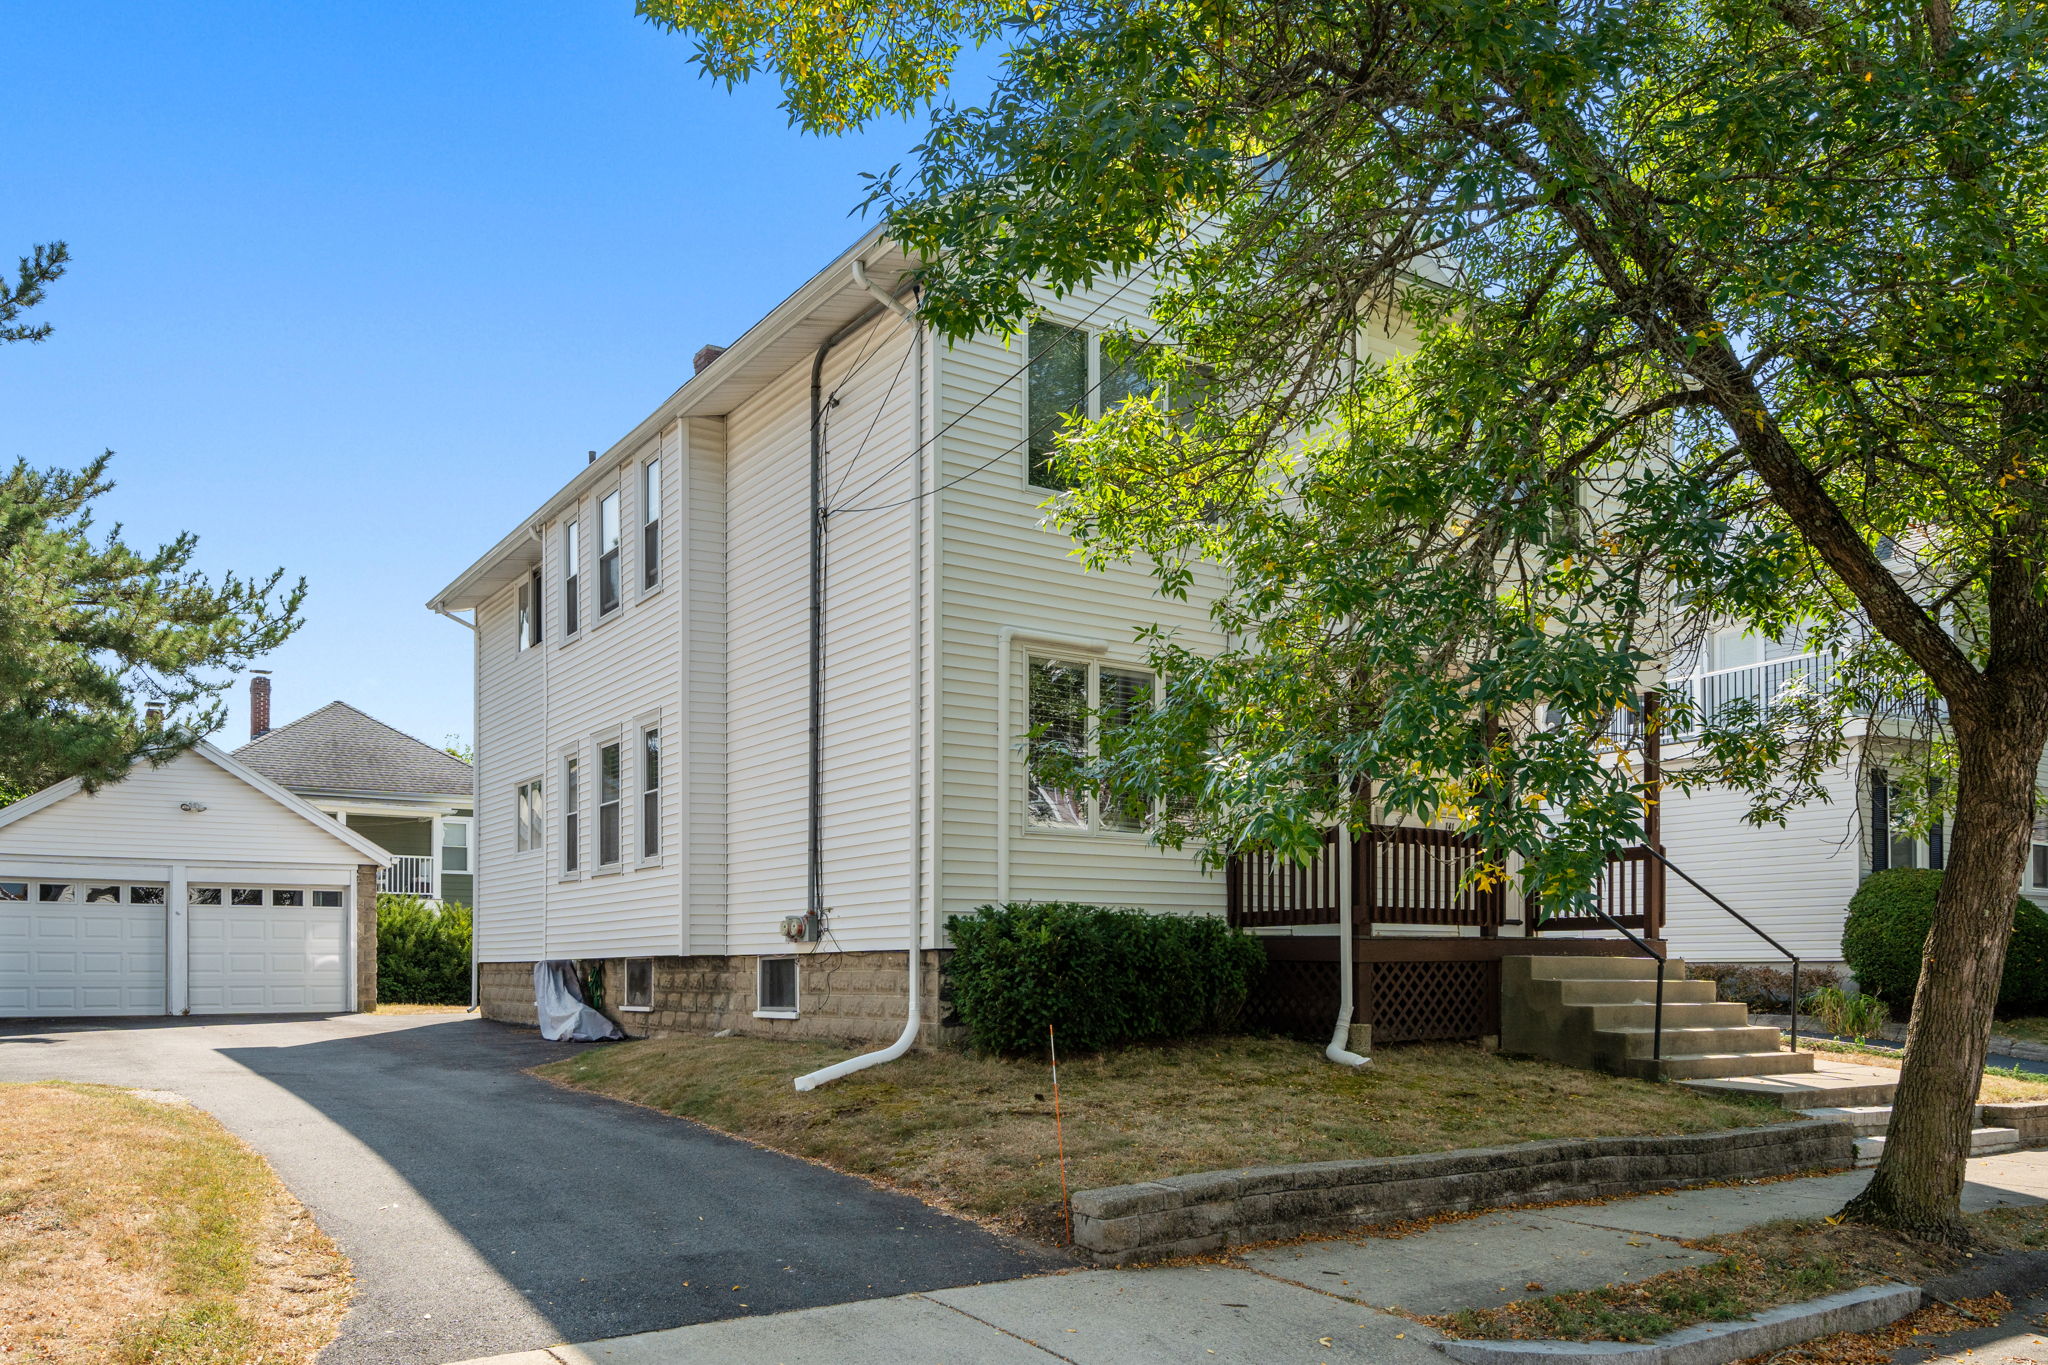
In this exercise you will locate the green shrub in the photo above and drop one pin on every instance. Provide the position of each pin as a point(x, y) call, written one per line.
point(422, 952)
point(1852, 1014)
point(1103, 977)
point(1887, 930)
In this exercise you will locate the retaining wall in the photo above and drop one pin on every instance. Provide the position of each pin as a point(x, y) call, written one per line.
point(1191, 1215)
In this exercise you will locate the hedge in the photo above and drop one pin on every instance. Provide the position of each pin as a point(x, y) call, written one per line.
point(1103, 977)
point(1887, 930)
point(422, 952)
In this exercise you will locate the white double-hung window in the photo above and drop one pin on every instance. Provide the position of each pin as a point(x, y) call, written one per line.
point(1069, 704)
point(608, 554)
point(1071, 372)
point(650, 793)
point(650, 524)
point(572, 577)
point(608, 784)
point(526, 816)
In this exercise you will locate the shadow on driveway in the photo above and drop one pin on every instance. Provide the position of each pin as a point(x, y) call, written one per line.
point(487, 1211)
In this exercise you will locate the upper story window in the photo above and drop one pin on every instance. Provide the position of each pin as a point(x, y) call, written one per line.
point(572, 816)
point(650, 793)
point(608, 554)
point(607, 804)
point(526, 817)
point(529, 611)
point(650, 524)
point(1056, 388)
point(1071, 372)
point(1061, 696)
point(572, 578)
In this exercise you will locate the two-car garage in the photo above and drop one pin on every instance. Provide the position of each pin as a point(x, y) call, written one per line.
point(197, 887)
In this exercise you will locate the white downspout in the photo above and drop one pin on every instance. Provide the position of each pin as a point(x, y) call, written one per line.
point(1340, 1037)
point(914, 947)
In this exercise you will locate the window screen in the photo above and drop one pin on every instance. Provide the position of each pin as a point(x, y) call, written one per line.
point(640, 982)
point(1058, 718)
point(1057, 383)
point(1126, 698)
point(778, 983)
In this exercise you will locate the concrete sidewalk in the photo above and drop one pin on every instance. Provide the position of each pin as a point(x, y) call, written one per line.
point(1322, 1301)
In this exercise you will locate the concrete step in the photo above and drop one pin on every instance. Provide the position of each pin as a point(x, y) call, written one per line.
point(1720, 1065)
point(1632, 968)
point(1868, 1120)
point(1983, 1142)
point(1628, 992)
point(1640, 1042)
point(1815, 1085)
point(1677, 1014)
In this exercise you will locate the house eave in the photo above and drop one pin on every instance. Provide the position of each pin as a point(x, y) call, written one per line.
point(826, 302)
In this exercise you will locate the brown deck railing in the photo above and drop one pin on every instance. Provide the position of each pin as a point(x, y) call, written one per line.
point(1399, 875)
point(1630, 892)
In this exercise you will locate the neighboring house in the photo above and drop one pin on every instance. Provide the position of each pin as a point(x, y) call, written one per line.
point(408, 797)
point(1795, 880)
point(197, 887)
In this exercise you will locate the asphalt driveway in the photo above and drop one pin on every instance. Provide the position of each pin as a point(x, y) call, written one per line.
point(487, 1211)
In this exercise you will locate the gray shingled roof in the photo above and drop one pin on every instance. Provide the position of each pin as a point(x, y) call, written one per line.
point(339, 749)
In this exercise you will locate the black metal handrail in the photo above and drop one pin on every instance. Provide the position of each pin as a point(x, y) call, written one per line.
point(1748, 924)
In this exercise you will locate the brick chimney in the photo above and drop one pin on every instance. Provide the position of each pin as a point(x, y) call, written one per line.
point(705, 355)
point(259, 702)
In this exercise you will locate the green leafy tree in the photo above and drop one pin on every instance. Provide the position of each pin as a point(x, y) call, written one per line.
point(1506, 349)
point(108, 654)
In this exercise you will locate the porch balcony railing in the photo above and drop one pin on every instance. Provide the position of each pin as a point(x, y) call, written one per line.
point(1710, 694)
point(408, 875)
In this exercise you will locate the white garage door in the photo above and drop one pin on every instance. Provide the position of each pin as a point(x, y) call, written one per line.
point(81, 948)
point(267, 949)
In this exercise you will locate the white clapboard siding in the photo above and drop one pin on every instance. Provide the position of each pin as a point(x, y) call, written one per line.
point(617, 673)
point(1002, 568)
point(138, 819)
point(1794, 880)
point(511, 719)
point(867, 809)
point(703, 775)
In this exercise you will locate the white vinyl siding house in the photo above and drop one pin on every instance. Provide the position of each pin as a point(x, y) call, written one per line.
point(932, 607)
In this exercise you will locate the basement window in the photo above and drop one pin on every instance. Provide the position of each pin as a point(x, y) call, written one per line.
point(777, 982)
point(639, 984)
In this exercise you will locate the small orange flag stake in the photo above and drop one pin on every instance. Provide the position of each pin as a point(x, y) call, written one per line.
point(1066, 1203)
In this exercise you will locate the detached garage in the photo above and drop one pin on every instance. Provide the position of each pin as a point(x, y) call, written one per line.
point(199, 887)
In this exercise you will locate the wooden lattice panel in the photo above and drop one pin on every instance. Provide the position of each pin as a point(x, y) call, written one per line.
point(1294, 999)
point(1416, 1002)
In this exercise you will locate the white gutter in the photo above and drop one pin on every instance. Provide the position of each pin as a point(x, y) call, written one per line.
point(914, 947)
point(1340, 1037)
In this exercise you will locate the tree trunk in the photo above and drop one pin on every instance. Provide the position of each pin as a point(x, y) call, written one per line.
point(1918, 1184)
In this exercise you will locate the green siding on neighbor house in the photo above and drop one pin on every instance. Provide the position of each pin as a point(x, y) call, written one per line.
point(458, 886)
point(396, 834)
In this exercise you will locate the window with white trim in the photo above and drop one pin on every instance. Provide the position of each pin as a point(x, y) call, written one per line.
point(1070, 373)
point(650, 792)
point(455, 845)
point(608, 554)
point(529, 611)
point(572, 818)
point(526, 817)
point(2041, 849)
point(572, 578)
point(639, 993)
point(776, 984)
point(608, 785)
point(650, 524)
point(1062, 696)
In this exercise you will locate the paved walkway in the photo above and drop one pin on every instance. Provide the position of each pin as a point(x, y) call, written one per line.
point(1316, 1302)
point(487, 1211)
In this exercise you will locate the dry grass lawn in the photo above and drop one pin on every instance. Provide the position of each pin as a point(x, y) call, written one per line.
point(975, 1134)
point(135, 1230)
point(1999, 1087)
point(1759, 1268)
point(383, 1008)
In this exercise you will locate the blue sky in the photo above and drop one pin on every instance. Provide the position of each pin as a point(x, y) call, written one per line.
point(356, 286)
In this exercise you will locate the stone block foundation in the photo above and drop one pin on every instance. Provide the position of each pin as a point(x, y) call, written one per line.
point(854, 997)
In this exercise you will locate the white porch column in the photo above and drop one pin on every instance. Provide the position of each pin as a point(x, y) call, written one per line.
point(178, 945)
